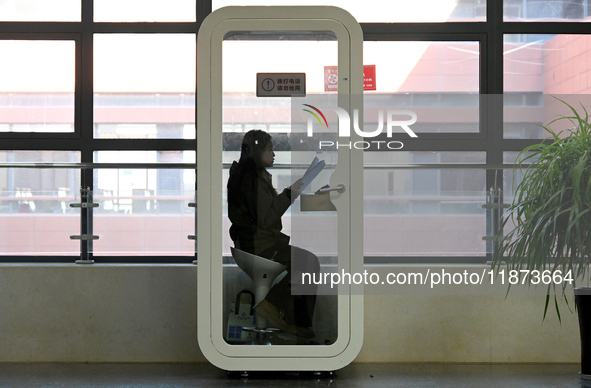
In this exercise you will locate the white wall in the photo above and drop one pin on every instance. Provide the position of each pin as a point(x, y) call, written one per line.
point(147, 313)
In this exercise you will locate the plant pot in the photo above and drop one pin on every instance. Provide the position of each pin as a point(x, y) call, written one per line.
point(583, 306)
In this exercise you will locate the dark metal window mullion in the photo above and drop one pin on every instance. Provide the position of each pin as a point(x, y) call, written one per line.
point(494, 111)
point(203, 9)
point(85, 80)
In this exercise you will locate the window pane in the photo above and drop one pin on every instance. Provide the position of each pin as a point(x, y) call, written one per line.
point(512, 177)
point(144, 86)
point(144, 211)
point(144, 11)
point(242, 109)
point(546, 10)
point(39, 157)
point(371, 159)
point(439, 81)
point(37, 86)
point(40, 11)
point(35, 213)
point(123, 157)
point(537, 67)
point(133, 220)
point(390, 11)
point(424, 212)
point(424, 67)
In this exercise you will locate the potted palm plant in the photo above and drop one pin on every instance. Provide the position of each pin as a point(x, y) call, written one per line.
point(550, 217)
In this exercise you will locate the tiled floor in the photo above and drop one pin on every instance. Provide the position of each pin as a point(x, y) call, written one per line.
point(355, 375)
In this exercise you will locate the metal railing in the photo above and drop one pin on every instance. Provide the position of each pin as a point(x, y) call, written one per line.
point(493, 204)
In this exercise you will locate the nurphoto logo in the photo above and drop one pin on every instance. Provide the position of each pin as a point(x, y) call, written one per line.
point(393, 120)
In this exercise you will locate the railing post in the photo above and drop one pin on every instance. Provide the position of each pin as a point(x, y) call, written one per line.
point(86, 237)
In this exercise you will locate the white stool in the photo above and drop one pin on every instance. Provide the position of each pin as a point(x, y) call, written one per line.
point(262, 272)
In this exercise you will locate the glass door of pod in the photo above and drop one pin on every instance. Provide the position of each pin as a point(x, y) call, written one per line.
point(279, 83)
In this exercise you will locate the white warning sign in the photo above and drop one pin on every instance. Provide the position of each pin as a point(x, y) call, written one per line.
point(281, 84)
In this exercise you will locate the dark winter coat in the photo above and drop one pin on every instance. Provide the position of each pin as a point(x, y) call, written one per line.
point(255, 208)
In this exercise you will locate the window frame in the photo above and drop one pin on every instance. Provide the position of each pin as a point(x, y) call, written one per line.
point(489, 33)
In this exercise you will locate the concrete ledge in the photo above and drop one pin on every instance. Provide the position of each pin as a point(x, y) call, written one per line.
point(147, 313)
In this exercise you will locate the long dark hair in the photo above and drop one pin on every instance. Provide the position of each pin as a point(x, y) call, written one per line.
point(254, 144)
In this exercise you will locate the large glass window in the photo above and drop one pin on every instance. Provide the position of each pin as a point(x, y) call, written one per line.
point(439, 81)
point(375, 11)
point(144, 211)
point(537, 67)
point(104, 99)
point(144, 86)
point(424, 211)
point(37, 80)
point(40, 11)
point(546, 10)
point(412, 67)
point(144, 11)
point(35, 213)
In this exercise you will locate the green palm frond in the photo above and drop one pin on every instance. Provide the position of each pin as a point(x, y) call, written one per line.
point(551, 212)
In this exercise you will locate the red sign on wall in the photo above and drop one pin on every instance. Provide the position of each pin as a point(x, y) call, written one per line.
point(331, 78)
point(369, 77)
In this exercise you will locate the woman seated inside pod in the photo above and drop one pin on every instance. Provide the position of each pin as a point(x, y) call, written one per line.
point(255, 209)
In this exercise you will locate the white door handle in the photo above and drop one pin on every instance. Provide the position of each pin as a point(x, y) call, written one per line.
point(340, 188)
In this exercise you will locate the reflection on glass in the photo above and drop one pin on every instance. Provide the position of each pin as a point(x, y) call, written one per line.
point(37, 86)
point(144, 86)
point(40, 11)
point(426, 11)
point(144, 11)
